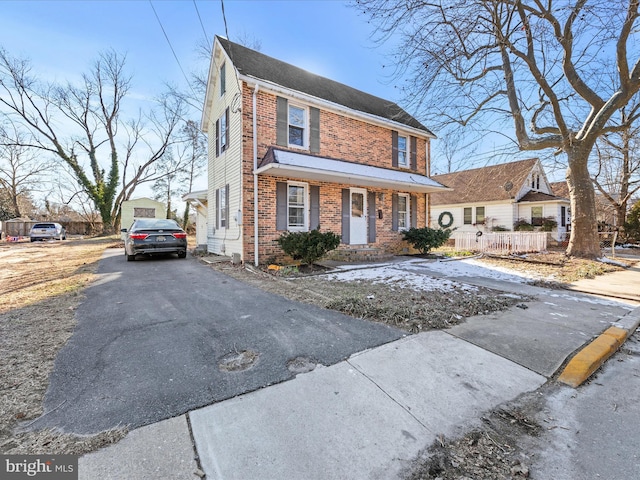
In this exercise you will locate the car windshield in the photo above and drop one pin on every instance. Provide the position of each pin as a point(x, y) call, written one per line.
point(152, 223)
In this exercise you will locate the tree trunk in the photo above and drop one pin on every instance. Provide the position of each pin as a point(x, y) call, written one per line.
point(584, 241)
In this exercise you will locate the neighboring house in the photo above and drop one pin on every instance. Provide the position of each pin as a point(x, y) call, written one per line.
point(606, 213)
point(198, 200)
point(292, 151)
point(141, 208)
point(496, 197)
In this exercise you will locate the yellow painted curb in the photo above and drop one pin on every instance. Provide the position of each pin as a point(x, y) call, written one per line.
point(591, 357)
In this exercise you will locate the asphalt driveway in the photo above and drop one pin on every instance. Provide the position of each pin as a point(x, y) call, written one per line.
point(152, 334)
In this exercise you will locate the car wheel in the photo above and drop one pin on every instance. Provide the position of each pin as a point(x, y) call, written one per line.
point(130, 258)
point(32, 239)
point(182, 254)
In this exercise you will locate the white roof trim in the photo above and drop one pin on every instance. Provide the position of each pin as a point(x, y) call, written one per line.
point(309, 167)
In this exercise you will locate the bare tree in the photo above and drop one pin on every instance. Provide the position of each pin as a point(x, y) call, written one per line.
point(539, 64)
point(21, 169)
point(193, 153)
point(164, 188)
point(617, 166)
point(82, 125)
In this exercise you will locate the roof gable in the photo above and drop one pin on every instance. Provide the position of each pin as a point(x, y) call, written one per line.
point(260, 66)
point(486, 184)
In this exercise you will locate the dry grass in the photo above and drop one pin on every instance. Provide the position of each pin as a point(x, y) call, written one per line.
point(409, 310)
point(41, 285)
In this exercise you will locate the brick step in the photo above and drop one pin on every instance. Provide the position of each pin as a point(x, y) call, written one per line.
point(365, 254)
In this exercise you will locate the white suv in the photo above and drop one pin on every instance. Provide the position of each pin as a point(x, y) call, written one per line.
point(45, 231)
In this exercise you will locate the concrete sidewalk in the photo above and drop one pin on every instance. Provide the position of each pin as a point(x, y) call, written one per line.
point(369, 416)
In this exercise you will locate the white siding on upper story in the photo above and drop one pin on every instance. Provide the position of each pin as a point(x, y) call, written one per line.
point(227, 167)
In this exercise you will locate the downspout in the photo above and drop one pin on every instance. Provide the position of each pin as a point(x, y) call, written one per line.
point(255, 178)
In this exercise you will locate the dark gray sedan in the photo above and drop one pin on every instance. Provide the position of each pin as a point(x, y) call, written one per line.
point(154, 236)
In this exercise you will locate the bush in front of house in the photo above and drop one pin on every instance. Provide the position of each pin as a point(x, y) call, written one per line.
point(424, 239)
point(308, 247)
point(548, 224)
point(499, 228)
point(522, 226)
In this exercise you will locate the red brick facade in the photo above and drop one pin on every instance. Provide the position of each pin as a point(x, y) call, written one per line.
point(341, 138)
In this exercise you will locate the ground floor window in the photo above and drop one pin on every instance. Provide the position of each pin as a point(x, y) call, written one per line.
point(468, 219)
point(479, 215)
point(403, 212)
point(296, 206)
point(536, 216)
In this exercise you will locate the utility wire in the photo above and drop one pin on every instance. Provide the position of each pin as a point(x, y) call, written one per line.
point(206, 37)
point(172, 49)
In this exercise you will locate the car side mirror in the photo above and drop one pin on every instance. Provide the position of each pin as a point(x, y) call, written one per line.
point(123, 230)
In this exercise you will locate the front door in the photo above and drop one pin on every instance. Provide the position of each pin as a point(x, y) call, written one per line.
point(358, 220)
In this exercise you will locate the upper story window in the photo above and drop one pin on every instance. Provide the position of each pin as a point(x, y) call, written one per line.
point(535, 181)
point(222, 133)
point(297, 125)
point(223, 79)
point(402, 151)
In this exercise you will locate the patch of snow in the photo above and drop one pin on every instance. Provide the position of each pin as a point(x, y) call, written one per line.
point(477, 268)
point(612, 262)
point(390, 275)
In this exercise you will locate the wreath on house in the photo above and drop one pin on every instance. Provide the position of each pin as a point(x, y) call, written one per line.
point(445, 223)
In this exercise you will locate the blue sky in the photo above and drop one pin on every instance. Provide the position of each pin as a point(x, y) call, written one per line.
point(62, 38)
point(327, 37)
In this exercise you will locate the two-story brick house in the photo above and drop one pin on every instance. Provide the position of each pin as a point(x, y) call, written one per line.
point(293, 151)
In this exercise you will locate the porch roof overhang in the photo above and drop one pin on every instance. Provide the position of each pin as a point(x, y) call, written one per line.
point(197, 198)
point(284, 163)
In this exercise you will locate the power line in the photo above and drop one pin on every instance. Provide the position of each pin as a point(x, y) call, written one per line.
point(172, 49)
point(206, 37)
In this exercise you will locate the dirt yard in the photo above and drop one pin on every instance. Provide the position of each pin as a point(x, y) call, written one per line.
point(41, 286)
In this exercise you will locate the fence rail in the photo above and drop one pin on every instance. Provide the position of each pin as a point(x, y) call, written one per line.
point(502, 243)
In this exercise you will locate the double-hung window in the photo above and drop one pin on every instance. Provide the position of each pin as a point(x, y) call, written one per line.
point(479, 215)
point(297, 126)
point(402, 151)
point(222, 133)
point(536, 216)
point(468, 216)
point(404, 214)
point(296, 206)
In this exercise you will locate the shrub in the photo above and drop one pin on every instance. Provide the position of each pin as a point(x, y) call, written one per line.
point(499, 228)
point(522, 226)
point(308, 247)
point(632, 223)
point(548, 224)
point(424, 239)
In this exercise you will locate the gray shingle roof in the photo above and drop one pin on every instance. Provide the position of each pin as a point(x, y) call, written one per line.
point(258, 65)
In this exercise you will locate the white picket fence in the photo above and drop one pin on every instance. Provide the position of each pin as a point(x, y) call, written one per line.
point(502, 243)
